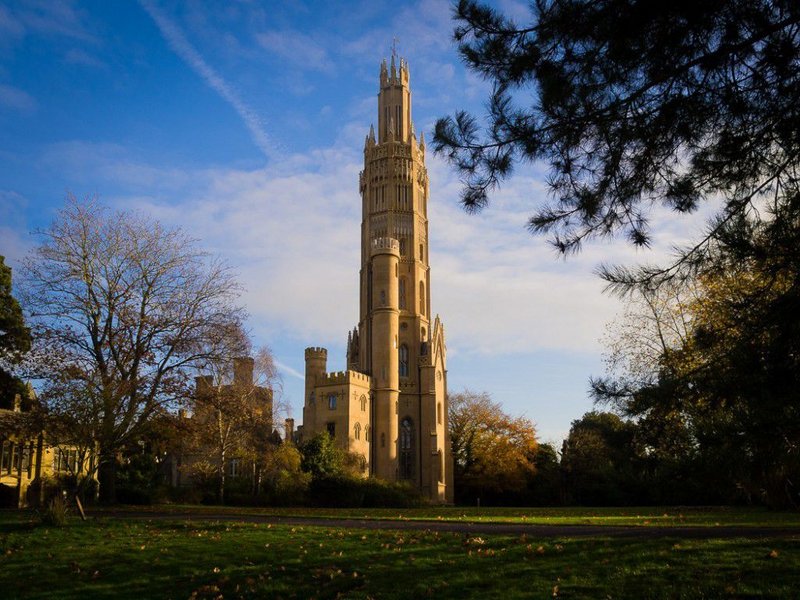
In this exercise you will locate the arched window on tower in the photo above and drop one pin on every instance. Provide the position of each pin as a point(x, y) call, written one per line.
point(403, 356)
point(363, 403)
point(422, 297)
point(422, 252)
point(401, 292)
point(357, 431)
point(406, 448)
point(403, 246)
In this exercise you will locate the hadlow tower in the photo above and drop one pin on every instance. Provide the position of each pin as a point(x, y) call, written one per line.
point(390, 405)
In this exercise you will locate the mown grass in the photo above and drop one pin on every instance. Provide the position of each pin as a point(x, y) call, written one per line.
point(118, 558)
point(636, 516)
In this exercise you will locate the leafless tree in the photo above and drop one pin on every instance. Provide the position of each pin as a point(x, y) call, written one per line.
point(236, 403)
point(122, 310)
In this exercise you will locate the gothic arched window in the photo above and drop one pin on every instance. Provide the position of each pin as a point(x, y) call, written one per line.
point(357, 431)
point(403, 352)
point(422, 297)
point(363, 403)
point(401, 292)
point(332, 401)
point(406, 448)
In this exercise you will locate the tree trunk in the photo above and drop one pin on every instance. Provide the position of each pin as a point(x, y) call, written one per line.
point(107, 478)
point(222, 477)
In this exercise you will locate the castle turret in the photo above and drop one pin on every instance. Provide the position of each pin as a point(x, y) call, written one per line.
point(385, 330)
point(316, 366)
point(243, 368)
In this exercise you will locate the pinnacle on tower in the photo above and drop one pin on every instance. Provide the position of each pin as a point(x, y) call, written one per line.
point(384, 73)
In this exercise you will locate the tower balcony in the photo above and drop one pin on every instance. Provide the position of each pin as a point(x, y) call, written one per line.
point(385, 245)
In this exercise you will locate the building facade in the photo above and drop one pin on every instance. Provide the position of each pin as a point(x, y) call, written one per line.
point(30, 464)
point(390, 405)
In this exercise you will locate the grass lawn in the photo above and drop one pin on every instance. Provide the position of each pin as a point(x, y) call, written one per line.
point(649, 516)
point(117, 558)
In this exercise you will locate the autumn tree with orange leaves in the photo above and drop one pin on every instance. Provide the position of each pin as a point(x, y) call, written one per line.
point(493, 452)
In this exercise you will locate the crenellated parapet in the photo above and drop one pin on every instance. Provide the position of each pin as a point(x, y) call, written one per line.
point(316, 352)
point(344, 378)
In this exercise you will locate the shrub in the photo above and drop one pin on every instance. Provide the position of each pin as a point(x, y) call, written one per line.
point(354, 492)
point(127, 494)
point(185, 494)
point(59, 485)
point(55, 515)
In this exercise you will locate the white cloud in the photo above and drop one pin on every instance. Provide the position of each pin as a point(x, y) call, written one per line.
point(10, 27)
point(14, 239)
point(292, 231)
point(76, 56)
point(16, 99)
point(50, 17)
point(290, 371)
point(178, 42)
point(297, 48)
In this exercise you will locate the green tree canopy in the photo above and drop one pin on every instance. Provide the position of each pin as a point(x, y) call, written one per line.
point(600, 460)
point(727, 388)
point(15, 339)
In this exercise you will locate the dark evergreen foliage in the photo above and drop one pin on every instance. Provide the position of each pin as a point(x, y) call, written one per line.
point(631, 103)
point(15, 340)
point(724, 403)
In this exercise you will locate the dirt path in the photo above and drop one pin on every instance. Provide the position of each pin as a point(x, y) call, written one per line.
point(545, 531)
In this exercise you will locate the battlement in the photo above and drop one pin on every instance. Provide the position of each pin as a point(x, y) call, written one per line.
point(385, 245)
point(343, 377)
point(316, 352)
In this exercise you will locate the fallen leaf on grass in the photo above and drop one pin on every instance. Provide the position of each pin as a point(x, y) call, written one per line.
point(772, 554)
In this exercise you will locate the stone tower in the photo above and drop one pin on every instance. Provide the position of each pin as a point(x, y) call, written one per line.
point(394, 344)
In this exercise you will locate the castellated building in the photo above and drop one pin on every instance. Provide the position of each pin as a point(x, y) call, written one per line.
point(390, 405)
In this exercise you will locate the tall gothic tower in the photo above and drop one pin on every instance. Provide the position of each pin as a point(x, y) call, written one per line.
point(394, 344)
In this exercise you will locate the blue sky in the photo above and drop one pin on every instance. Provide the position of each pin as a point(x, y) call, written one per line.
point(243, 122)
